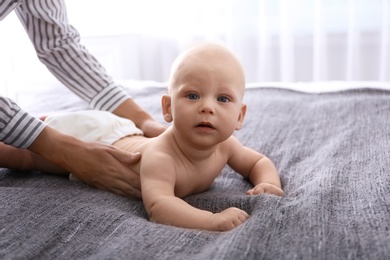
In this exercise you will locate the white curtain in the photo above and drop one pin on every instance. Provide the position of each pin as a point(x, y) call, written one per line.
point(276, 40)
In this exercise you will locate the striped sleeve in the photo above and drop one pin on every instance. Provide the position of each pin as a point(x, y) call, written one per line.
point(58, 46)
point(17, 127)
point(6, 6)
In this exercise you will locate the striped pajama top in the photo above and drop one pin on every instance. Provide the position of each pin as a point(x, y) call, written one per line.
point(57, 44)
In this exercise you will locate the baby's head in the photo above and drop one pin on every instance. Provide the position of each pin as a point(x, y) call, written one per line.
point(205, 94)
point(208, 59)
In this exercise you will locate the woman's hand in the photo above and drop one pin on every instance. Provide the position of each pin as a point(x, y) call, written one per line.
point(101, 166)
point(142, 119)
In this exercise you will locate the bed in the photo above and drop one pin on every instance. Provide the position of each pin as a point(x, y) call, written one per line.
point(330, 142)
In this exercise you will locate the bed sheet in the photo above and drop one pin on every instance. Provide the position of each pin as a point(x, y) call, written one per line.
point(332, 150)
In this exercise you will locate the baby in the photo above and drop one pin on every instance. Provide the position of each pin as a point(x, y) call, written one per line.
point(204, 105)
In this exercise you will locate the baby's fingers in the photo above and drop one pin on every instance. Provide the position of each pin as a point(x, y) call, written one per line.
point(266, 188)
point(243, 216)
point(228, 219)
point(250, 192)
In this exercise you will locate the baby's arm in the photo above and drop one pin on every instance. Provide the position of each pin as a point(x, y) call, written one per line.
point(162, 206)
point(265, 178)
point(253, 165)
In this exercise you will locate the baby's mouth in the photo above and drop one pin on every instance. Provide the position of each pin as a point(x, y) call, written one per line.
point(205, 125)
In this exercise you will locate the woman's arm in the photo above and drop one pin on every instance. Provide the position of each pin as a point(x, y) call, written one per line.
point(58, 46)
point(98, 165)
point(101, 166)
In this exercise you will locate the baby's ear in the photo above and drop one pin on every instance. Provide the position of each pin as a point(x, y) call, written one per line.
point(166, 108)
point(241, 117)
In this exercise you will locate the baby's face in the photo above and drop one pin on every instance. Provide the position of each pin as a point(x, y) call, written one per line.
point(206, 92)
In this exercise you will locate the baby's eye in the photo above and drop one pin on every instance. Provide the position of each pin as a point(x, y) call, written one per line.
point(223, 99)
point(193, 96)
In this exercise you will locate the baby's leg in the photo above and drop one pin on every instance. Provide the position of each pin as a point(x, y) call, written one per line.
point(25, 160)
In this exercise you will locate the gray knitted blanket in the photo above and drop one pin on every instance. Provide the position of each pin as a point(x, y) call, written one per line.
point(333, 154)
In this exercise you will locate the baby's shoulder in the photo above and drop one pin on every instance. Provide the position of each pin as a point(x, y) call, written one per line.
point(155, 160)
point(158, 151)
point(230, 143)
point(230, 147)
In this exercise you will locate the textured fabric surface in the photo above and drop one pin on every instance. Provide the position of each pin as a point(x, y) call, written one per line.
point(333, 154)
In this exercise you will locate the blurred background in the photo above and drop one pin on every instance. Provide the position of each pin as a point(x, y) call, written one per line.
point(276, 40)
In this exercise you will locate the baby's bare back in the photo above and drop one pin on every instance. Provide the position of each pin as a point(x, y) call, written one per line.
point(192, 176)
point(133, 143)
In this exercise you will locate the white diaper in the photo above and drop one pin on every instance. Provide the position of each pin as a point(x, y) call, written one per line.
point(93, 126)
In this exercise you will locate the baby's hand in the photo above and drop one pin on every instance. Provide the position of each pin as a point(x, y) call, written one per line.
point(228, 219)
point(266, 188)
